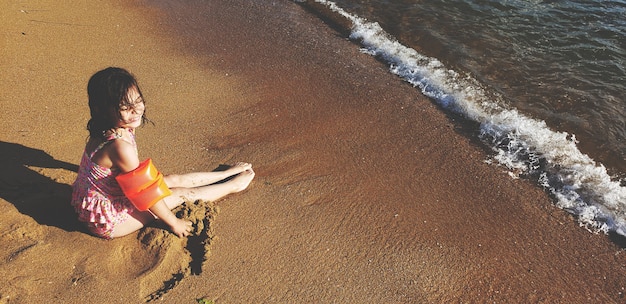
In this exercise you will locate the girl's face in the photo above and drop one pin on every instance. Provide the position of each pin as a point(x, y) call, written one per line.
point(131, 113)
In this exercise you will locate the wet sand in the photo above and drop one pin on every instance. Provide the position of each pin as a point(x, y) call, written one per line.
point(365, 191)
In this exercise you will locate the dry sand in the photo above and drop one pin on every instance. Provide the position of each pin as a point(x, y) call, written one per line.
point(365, 191)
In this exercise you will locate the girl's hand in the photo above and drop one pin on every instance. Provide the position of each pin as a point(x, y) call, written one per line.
point(178, 226)
point(181, 227)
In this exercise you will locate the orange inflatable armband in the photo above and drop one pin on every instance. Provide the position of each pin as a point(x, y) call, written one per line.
point(143, 186)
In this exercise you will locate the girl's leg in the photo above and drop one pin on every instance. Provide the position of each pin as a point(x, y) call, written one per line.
point(210, 192)
point(197, 179)
point(135, 221)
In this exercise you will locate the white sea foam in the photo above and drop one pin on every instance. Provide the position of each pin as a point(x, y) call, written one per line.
point(526, 146)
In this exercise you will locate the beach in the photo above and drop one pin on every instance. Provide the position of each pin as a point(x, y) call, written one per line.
point(362, 193)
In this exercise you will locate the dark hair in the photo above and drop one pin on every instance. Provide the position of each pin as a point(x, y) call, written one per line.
point(107, 90)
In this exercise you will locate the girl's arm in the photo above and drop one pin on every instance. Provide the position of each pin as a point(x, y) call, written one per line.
point(123, 155)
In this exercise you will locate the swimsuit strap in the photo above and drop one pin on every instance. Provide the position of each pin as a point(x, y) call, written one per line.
point(100, 146)
point(112, 134)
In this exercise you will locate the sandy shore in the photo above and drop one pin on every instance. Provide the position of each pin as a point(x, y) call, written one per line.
point(365, 191)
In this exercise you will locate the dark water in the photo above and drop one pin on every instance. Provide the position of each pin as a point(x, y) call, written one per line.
point(560, 61)
point(545, 80)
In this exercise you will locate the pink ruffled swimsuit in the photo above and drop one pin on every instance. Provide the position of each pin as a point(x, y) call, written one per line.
point(97, 197)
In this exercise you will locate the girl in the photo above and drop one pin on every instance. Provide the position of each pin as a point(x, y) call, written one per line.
point(117, 108)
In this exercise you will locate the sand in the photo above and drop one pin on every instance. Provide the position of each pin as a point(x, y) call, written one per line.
point(365, 191)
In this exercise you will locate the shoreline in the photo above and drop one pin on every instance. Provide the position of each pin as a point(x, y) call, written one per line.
point(364, 191)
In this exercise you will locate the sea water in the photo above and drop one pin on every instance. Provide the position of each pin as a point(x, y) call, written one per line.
point(544, 80)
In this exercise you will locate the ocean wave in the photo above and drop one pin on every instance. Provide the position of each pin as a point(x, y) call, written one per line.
point(525, 146)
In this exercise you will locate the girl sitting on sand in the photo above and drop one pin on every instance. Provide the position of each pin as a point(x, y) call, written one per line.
point(117, 109)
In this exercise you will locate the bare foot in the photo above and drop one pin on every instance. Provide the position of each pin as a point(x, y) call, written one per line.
point(241, 181)
point(181, 227)
point(238, 168)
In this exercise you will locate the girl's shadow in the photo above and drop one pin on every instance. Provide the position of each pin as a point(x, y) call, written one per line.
point(33, 194)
